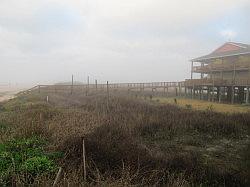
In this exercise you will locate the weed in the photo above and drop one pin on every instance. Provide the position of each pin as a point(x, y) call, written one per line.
point(188, 106)
point(24, 157)
point(132, 142)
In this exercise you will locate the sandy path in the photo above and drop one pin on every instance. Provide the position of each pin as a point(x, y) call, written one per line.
point(4, 96)
point(8, 92)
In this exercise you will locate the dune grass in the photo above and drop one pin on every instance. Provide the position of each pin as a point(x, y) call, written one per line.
point(204, 105)
point(129, 142)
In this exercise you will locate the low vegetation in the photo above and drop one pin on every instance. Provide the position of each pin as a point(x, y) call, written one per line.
point(128, 141)
point(205, 105)
point(25, 160)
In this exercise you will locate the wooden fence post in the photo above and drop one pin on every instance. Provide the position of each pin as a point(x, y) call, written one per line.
point(107, 94)
point(87, 92)
point(96, 85)
point(57, 176)
point(167, 89)
point(84, 160)
point(164, 88)
point(72, 83)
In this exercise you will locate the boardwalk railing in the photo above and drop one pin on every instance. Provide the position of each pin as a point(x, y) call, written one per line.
point(221, 67)
point(153, 86)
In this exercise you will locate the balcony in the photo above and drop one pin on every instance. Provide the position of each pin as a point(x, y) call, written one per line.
point(216, 82)
point(221, 67)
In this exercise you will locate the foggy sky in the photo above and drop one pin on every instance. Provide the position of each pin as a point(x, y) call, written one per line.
point(45, 41)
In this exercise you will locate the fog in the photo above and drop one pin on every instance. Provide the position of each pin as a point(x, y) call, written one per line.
point(46, 41)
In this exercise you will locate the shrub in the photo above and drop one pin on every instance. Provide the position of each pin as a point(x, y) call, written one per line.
point(128, 142)
point(38, 165)
point(24, 156)
point(188, 106)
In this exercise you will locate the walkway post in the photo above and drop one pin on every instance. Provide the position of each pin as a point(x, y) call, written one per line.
point(72, 83)
point(87, 93)
point(247, 96)
point(107, 94)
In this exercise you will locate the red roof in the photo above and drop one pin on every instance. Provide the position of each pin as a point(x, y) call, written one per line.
point(227, 49)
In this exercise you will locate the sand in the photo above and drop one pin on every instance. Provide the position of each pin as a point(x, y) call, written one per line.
point(6, 97)
point(7, 92)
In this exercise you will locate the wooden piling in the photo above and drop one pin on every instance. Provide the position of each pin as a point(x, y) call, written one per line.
point(220, 93)
point(202, 94)
point(167, 89)
point(232, 96)
point(180, 88)
point(247, 95)
point(208, 93)
point(193, 92)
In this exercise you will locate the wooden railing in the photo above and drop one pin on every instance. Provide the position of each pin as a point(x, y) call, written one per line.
point(160, 86)
point(116, 86)
point(216, 82)
point(221, 67)
point(203, 82)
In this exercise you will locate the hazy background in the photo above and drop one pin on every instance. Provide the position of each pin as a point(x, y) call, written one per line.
point(45, 41)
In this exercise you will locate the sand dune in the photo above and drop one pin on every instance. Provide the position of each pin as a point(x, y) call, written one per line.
point(6, 97)
point(7, 93)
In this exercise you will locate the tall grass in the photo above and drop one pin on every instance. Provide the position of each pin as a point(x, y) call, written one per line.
point(133, 141)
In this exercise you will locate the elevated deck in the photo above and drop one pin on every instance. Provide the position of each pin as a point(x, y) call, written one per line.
point(221, 68)
point(216, 82)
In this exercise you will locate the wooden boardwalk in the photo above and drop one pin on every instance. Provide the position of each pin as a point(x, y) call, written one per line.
point(208, 89)
point(152, 86)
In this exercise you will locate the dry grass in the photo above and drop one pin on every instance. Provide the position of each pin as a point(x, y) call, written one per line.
point(133, 142)
point(204, 105)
